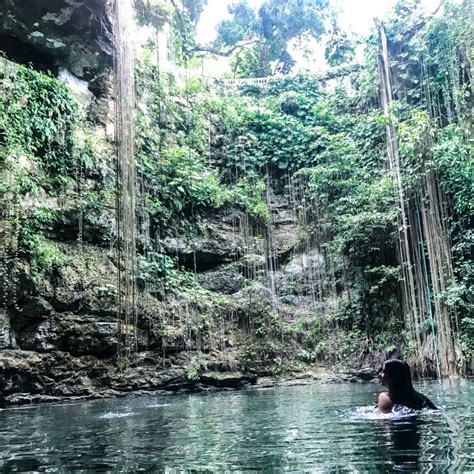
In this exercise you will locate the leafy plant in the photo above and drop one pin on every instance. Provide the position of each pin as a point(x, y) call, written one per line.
point(193, 369)
point(38, 115)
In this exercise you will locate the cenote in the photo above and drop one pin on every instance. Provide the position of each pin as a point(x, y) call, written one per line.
point(203, 198)
point(315, 427)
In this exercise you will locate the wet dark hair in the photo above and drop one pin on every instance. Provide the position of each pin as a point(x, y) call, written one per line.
point(398, 376)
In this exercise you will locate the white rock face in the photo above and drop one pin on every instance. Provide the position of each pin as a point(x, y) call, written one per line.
point(7, 337)
point(76, 85)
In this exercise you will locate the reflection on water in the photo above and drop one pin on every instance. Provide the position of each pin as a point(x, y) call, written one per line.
point(404, 439)
point(401, 432)
point(314, 428)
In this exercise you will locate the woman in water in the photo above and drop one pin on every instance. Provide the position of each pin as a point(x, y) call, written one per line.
point(396, 377)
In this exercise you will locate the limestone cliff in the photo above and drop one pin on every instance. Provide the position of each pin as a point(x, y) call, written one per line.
point(247, 311)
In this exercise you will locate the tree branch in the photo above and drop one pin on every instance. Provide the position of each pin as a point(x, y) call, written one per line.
point(410, 33)
point(228, 52)
point(208, 49)
point(178, 14)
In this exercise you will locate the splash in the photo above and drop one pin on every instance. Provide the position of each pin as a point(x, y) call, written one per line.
point(371, 413)
point(110, 415)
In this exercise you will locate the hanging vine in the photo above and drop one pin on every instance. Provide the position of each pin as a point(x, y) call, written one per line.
point(126, 182)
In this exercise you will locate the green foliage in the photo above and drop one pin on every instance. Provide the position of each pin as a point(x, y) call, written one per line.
point(263, 345)
point(153, 13)
point(45, 256)
point(39, 222)
point(172, 140)
point(188, 182)
point(250, 196)
point(339, 49)
point(307, 329)
point(281, 133)
point(452, 155)
point(467, 336)
point(95, 201)
point(38, 115)
point(306, 356)
point(182, 15)
point(179, 182)
point(434, 104)
point(159, 274)
point(333, 153)
point(242, 26)
point(297, 136)
point(43, 218)
point(180, 186)
point(194, 369)
point(266, 35)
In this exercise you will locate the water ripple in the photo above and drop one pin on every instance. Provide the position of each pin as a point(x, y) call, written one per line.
point(318, 428)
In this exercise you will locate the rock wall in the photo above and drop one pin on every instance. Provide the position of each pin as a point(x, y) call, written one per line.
point(54, 34)
point(58, 329)
point(58, 335)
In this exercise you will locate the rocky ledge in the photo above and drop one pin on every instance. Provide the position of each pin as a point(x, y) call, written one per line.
point(30, 377)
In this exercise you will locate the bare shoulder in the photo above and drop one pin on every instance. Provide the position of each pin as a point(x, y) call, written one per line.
point(384, 402)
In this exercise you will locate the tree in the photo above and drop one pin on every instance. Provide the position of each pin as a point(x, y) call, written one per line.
point(260, 41)
point(339, 48)
point(182, 15)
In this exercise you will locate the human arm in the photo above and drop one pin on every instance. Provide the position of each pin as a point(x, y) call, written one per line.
point(384, 404)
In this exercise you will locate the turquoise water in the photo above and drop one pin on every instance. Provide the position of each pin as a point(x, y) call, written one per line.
point(318, 428)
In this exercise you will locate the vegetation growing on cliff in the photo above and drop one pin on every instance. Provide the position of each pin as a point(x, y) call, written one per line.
point(378, 252)
point(38, 117)
point(324, 151)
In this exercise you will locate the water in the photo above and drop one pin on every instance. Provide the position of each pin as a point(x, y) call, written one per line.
point(318, 428)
